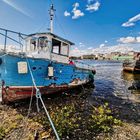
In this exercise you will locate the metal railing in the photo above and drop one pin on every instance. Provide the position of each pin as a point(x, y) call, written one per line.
point(20, 36)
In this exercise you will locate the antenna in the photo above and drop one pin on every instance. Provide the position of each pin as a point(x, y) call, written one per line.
point(51, 13)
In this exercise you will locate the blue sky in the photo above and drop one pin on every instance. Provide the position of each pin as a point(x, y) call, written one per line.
point(91, 24)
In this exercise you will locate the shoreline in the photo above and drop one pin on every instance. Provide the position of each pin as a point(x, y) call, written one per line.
point(125, 111)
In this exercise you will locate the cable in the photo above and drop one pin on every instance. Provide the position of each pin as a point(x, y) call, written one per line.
point(60, 25)
point(38, 95)
point(30, 104)
point(41, 27)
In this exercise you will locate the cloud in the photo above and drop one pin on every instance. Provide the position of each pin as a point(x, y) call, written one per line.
point(92, 6)
point(76, 12)
point(66, 14)
point(106, 41)
point(128, 39)
point(128, 24)
point(123, 48)
point(102, 45)
point(81, 45)
point(125, 45)
point(90, 48)
point(16, 7)
point(132, 21)
point(76, 52)
point(118, 48)
point(138, 39)
point(76, 5)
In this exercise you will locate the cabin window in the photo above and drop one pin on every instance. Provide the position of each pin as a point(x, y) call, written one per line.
point(64, 49)
point(59, 47)
point(33, 43)
point(43, 43)
point(56, 46)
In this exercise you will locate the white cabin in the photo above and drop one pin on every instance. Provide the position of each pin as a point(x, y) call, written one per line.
point(48, 46)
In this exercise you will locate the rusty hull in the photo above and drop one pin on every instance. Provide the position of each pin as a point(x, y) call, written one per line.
point(10, 94)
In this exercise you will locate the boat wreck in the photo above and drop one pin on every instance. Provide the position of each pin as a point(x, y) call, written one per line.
point(43, 62)
point(132, 66)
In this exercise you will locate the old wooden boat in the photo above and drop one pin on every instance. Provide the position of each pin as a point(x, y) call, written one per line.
point(42, 62)
point(132, 66)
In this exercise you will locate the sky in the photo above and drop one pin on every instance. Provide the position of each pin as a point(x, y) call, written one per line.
point(95, 26)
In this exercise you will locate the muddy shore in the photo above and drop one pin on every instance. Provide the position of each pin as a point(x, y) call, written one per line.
point(77, 108)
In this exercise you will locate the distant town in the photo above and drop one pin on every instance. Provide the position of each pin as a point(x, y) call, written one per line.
point(110, 56)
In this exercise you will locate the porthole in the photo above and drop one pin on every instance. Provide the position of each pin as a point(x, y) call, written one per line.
point(34, 68)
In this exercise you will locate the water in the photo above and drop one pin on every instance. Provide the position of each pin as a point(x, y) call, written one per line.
point(110, 80)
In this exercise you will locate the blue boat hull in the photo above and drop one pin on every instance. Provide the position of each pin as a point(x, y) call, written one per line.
point(15, 85)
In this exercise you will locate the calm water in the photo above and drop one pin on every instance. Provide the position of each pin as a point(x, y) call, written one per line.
point(110, 80)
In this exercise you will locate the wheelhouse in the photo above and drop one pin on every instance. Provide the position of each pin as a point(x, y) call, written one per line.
point(48, 46)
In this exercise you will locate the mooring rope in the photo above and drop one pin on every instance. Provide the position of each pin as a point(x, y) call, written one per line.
point(30, 104)
point(38, 95)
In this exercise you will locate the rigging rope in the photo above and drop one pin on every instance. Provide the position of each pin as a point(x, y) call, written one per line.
point(60, 25)
point(38, 95)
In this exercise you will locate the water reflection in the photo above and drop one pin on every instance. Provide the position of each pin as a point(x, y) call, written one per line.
point(111, 81)
point(130, 77)
point(135, 82)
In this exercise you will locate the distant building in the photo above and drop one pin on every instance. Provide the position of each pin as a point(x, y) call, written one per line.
point(100, 57)
point(91, 56)
point(125, 57)
point(111, 56)
point(131, 53)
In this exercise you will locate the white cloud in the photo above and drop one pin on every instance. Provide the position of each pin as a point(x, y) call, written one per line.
point(106, 41)
point(66, 14)
point(81, 45)
point(128, 39)
point(102, 45)
point(125, 45)
point(76, 12)
point(76, 52)
point(90, 48)
point(13, 5)
point(76, 5)
point(131, 21)
point(123, 48)
point(128, 24)
point(11, 48)
point(93, 6)
point(138, 39)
